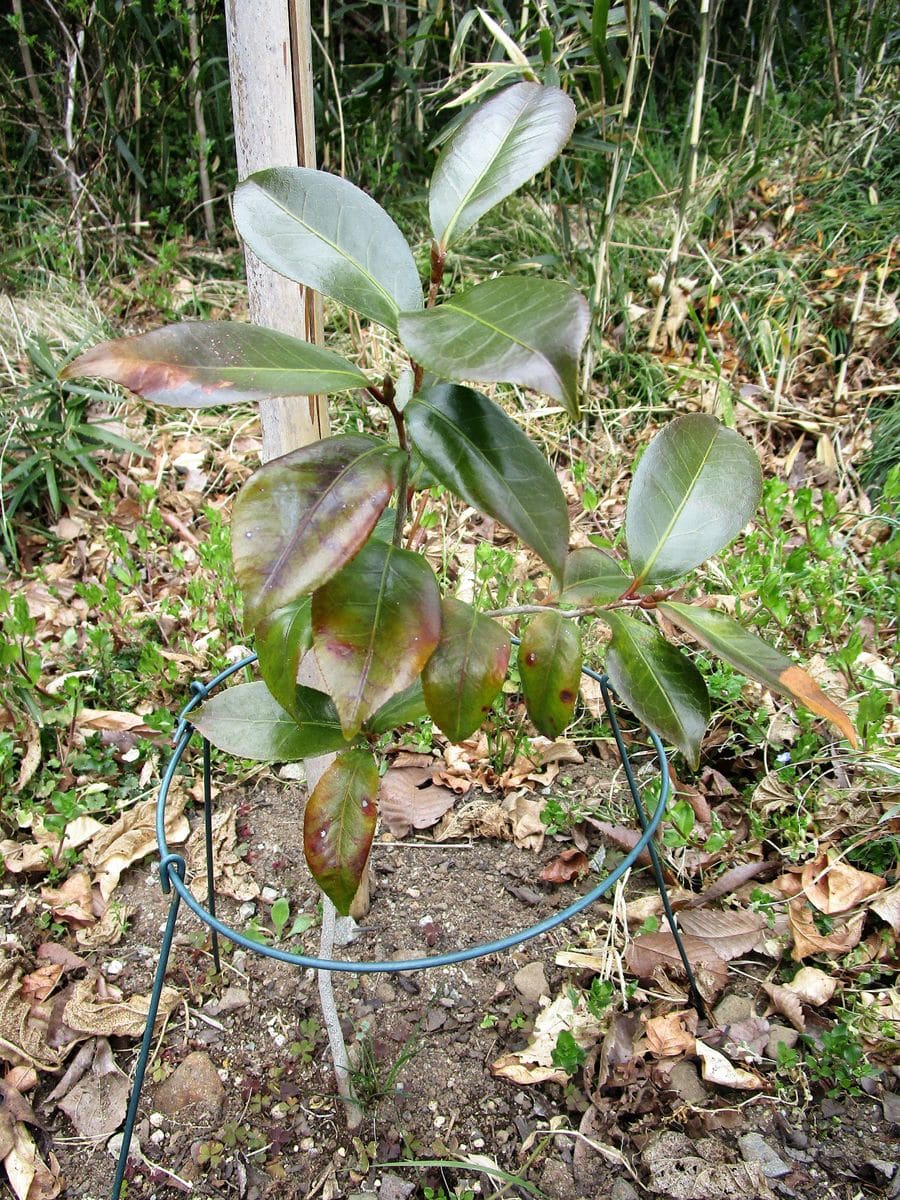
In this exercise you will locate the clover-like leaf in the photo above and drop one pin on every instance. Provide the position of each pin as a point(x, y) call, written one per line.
point(375, 625)
point(324, 232)
point(592, 576)
point(199, 364)
point(339, 824)
point(507, 330)
point(658, 683)
point(301, 517)
point(473, 448)
point(282, 638)
point(725, 636)
point(503, 144)
point(466, 671)
point(247, 721)
point(550, 660)
point(694, 490)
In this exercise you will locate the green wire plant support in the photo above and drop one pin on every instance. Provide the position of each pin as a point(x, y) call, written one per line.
point(173, 882)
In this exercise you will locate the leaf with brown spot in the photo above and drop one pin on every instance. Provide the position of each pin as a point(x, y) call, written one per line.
point(199, 364)
point(339, 825)
point(571, 864)
point(375, 625)
point(725, 636)
point(835, 886)
point(672, 1033)
point(550, 669)
point(466, 671)
point(302, 517)
point(650, 952)
point(731, 932)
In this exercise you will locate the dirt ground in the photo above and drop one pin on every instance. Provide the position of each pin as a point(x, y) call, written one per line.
point(424, 1043)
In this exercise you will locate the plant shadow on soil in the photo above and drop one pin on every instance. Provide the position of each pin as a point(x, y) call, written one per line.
point(278, 1130)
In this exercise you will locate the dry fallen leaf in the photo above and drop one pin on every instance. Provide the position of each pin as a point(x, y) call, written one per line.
point(528, 828)
point(96, 1104)
point(813, 986)
point(73, 901)
point(671, 1034)
point(569, 865)
point(731, 932)
point(233, 876)
point(787, 1003)
point(409, 798)
point(114, 1015)
point(109, 930)
point(651, 952)
point(807, 939)
point(29, 1176)
point(22, 1034)
point(887, 906)
point(130, 839)
point(835, 887)
point(534, 1063)
point(715, 1068)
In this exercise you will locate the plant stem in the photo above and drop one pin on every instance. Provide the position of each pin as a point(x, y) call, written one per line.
point(438, 258)
point(331, 1019)
point(386, 396)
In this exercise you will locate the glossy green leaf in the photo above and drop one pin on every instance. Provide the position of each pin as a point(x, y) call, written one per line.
point(199, 364)
point(658, 683)
point(301, 517)
point(329, 235)
point(503, 144)
point(724, 636)
point(405, 708)
point(375, 625)
point(694, 490)
point(466, 671)
point(339, 824)
point(248, 721)
point(282, 638)
point(508, 330)
point(550, 669)
point(473, 448)
point(592, 576)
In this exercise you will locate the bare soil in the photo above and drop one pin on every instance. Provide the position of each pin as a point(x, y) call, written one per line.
point(432, 1035)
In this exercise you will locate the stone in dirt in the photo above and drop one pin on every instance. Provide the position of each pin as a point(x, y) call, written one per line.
point(755, 1149)
point(780, 1035)
point(195, 1083)
point(684, 1079)
point(731, 1009)
point(531, 982)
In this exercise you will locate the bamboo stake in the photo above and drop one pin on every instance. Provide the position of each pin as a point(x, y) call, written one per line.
point(689, 179)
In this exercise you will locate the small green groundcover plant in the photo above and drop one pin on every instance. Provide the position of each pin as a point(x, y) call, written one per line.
point(324, 558)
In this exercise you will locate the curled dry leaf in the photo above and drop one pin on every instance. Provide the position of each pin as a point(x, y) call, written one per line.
point(528, 828)
point(22, 1034)
point(835, 887)
point(233, 876)
point(843, 936)
point(114, 1015)
point(786, 1002)
point(96, 1104)
point(40, 983)
point(47, 849)
point(109, 930)
point(887, 906)
point(534, 1064)
point(715, 1068)
point(569, 865)
point(731, 932)
point(814, 987)
point(651, 952)
point(672, 1034)
point(29, 1176)
point(73, 901)
point(130, 839)
point(409, 798)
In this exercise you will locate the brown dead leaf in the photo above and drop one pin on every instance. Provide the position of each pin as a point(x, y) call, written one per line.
point(834, 887)
point(746, 1040)
point(409, 798)
point(22, 1034)
point(528, 828)
point(651, 952)
point(55, 953)
point(73, 901)
point(132, 838)
point(534, 1063)
point(731, 932)
point(29, 1176)
point(672, 1034)
point(47, 849)
point(715, 1068)
point(96, 1104)
point(233, 876)
point(813, 987)
point(31, 759)
point(108, 931)
point(843, 936)
point(887, 906)
point(481, 817)
point(787, 1003)
point(120, 722)
point(569, 865)
point(40, 983)
point(729, 881)
point(113, 1015)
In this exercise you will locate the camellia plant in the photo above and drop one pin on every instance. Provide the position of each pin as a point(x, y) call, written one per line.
point(327, 563)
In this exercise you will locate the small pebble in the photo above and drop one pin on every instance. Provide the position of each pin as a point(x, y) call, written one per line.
point(756, 1149)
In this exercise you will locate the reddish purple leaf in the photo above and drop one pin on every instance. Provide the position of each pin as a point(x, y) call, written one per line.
point(339, 825)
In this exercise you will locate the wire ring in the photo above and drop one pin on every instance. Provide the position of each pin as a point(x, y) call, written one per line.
point(175, 877)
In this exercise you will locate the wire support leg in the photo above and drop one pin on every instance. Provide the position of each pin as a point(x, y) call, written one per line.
point(210, 874)
point(143, 1057)
point(696, 998)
